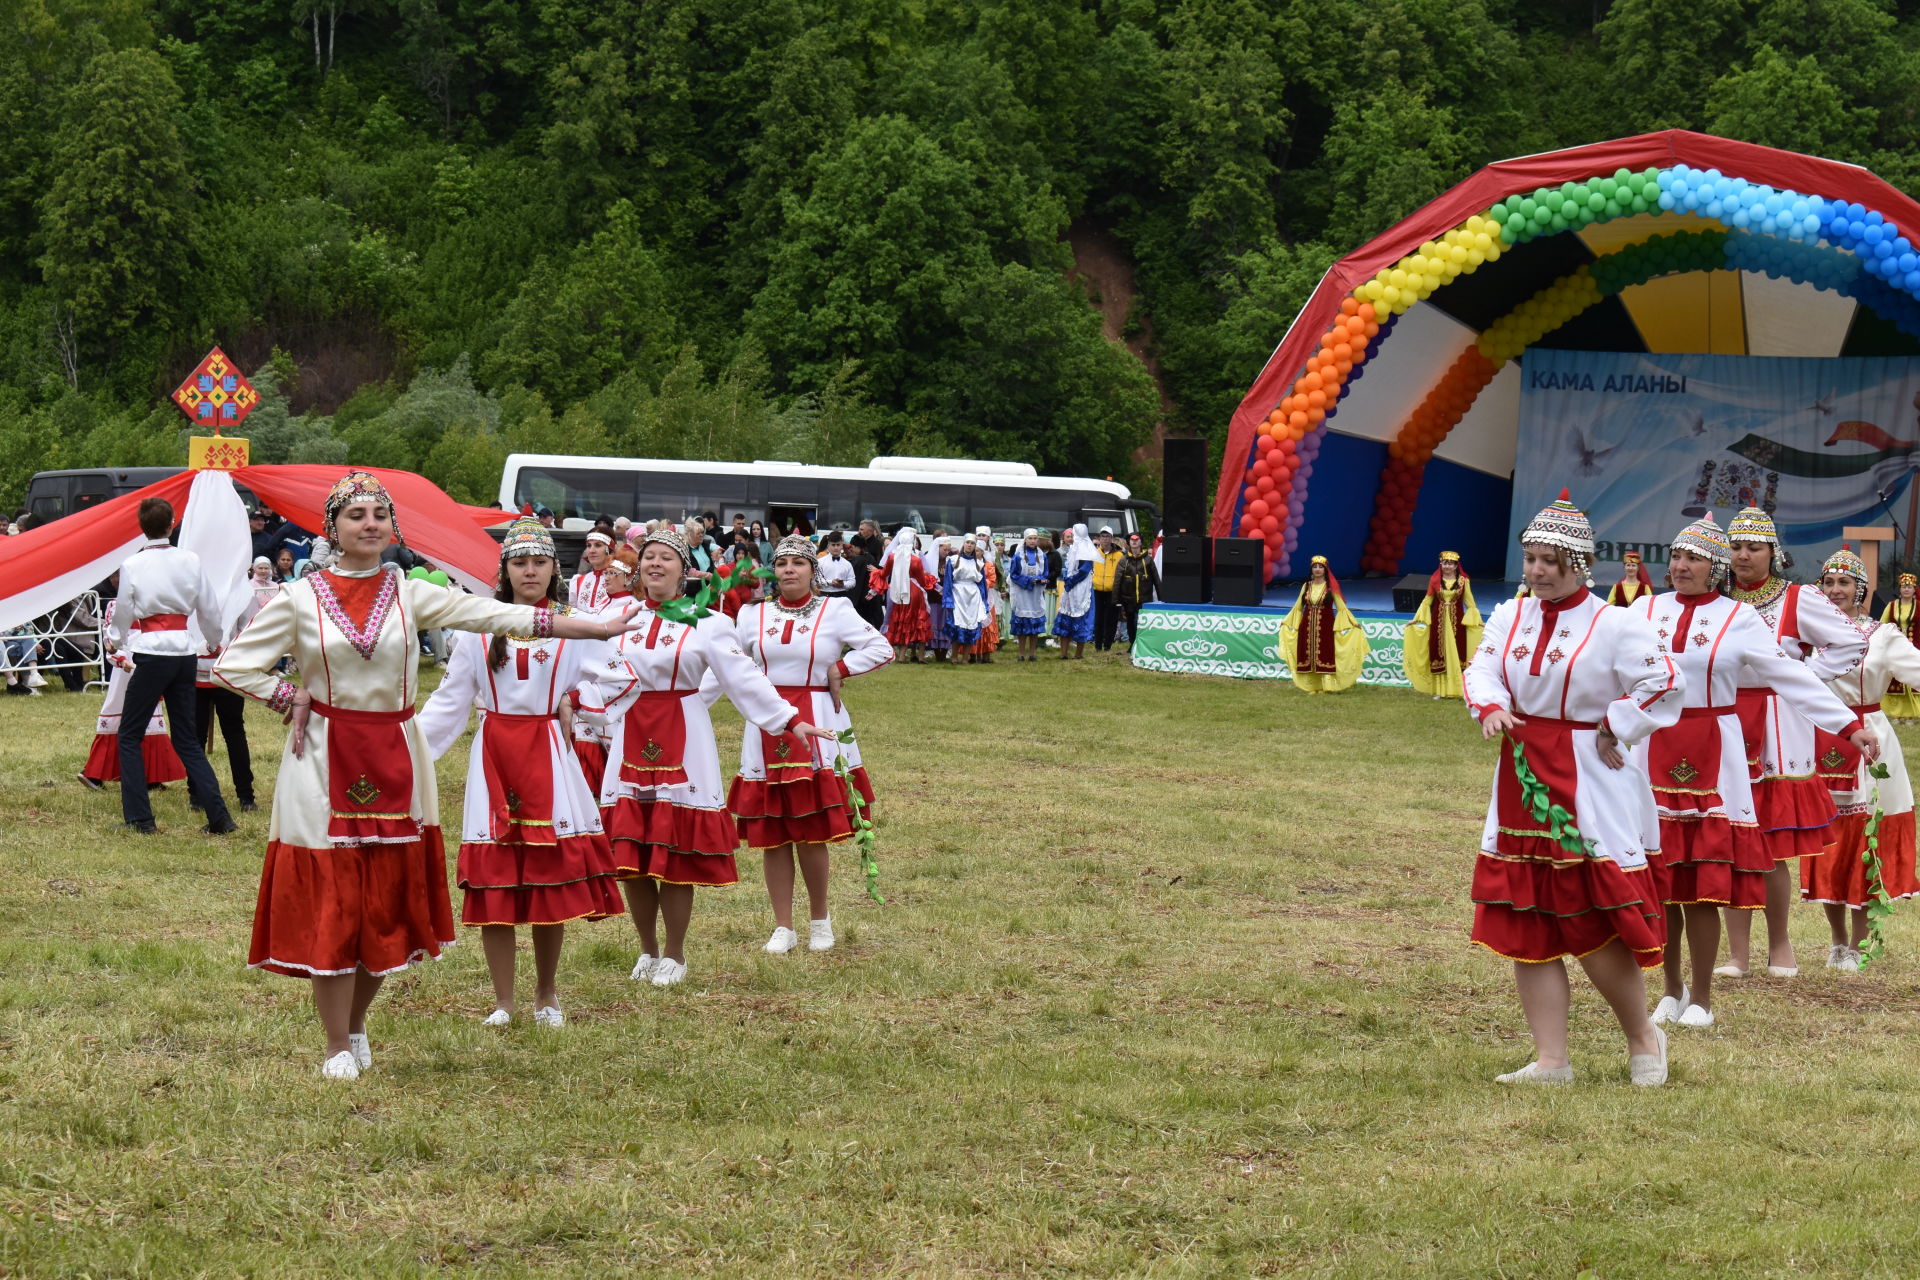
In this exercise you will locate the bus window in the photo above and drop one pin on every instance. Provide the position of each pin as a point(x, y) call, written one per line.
point(925, 507)
point(1098, 518)
point(1037, 510)
point(839, 504)
point(576, 493)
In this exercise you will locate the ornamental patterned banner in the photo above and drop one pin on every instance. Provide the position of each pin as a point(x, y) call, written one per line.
point(1243, 643)
point(216, 394)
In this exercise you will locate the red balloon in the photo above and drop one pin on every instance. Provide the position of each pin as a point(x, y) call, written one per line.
point(1270, 524)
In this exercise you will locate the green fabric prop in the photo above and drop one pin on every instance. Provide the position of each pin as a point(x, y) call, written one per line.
point(863, 837)
point(690, 609)
point(1533, 794)
point(1879, 903)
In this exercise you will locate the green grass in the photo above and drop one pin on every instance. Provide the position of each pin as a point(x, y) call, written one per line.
point(1172, 980)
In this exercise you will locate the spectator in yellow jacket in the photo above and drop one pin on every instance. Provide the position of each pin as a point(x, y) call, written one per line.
point(1106, 616)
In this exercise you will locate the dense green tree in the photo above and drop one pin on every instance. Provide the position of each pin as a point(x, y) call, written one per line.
point(1666, 54)
point(1787, 102)
point(116, 219)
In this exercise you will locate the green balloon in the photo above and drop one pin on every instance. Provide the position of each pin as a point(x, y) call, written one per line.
point(1559, 222)
point(418, 571)
point(439, 578)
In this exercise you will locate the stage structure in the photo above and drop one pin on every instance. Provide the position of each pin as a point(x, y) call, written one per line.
point(1384, 427)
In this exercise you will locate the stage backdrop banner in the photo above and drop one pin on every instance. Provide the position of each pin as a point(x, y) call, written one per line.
point(1649, 442)
point(1221, 640)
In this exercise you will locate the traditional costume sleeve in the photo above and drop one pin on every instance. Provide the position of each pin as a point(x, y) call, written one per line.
point(1794, 682)
point(435, 607)
point(1413, 646)
point(1350, 647)
point(867, 649)
point(444, 717)
point(1470, 618)
point(1656, 690)
point(1838, 646)
point(247, 665)
point(877, 577)
point(1903, 660)
point(1486, 687)
point(608, 685)
point(741, 679)
point(1075, 576)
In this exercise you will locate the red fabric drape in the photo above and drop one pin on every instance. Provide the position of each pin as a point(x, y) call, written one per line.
point(1809, 175)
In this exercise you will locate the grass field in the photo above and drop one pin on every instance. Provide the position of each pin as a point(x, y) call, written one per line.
point(1172, 980)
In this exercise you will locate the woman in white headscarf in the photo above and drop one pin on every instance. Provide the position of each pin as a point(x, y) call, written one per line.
point(965, 580)
point(905, 583)
point(1074, 621)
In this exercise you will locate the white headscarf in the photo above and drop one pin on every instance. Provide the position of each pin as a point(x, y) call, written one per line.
point(900, 579)
point(1082, 550)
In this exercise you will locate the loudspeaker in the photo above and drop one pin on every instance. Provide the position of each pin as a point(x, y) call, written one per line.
point(1236, 571)
point(1186, 568)
point(1184, 477)
point(1409, 592)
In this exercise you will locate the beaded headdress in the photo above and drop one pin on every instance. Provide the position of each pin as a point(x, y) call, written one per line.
point(1563, 526)
point(1908, 580)
point(604, 539)
point(670, 537)
point(795, 544)
point(1449, 557)
point(357, 486)
point(527, 537)
point(1753, 525)
point(1844, 561)
point(1705, 538)
point(1320, 560)
point(1631, 557)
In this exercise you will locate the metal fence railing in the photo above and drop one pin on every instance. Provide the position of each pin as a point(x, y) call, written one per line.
point(71, 637)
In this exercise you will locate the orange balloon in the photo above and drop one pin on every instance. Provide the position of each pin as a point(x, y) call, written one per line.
point(1311, 382)
point(1316, 399)
point(1349, 305)
point(1297, 420)
point(1358, 341)
point(1366, 312)
point(1316, 416)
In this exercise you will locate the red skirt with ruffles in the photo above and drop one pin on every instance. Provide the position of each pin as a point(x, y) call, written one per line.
point(593, 761)
point(1841, 878)
point(1795, 814)
point(328, 912)
point(538, 883)
point(1534, 901)
point(909, 624)
point(156, 753)
point(672, 843)
point(1706, 857)
point(809, 809)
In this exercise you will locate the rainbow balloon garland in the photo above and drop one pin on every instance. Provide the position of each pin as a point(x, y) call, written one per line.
point(1831, 244)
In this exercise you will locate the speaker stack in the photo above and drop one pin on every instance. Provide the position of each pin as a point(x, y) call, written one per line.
point(1237, 565)
point(1186, 568)
point(1186, 553)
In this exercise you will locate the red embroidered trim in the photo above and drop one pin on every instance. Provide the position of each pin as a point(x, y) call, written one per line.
point(364, 640)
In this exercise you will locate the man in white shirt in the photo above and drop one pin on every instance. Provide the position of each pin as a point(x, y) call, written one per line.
point(159, 592)
point(835, 569)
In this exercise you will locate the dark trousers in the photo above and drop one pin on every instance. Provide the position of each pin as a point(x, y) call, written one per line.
point(231, 710)
point(1132, 612)
point(1105, 619)
point(157, 677)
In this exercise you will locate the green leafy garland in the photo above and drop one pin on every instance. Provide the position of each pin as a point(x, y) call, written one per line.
point(863, 837)
point(1533, 793)
point(1879, 903)
point(690, 609)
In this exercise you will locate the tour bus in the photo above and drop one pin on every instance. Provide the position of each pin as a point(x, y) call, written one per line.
point(926, 493)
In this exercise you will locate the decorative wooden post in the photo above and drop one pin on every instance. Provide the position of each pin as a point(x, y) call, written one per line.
point(1869, 538)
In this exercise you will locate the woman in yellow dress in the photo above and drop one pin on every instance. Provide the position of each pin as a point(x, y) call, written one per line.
point(1322, 645)
point(1634, 581)
point(1443, 632)
point(1902, 702)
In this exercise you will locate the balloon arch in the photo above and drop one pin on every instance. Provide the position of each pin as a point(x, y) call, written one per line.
point(1734, 206)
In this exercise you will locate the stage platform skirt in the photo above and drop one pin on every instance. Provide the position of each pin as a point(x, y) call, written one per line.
point(1536, 902)
point(672, 843)
point(156, 753)
point(1712, 849)
point(1841, 878)
point(328, 912)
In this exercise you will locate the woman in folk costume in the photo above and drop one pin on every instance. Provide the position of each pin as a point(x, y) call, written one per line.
point(1712, 852)
point(900, 577)
point(1444, 633)
point(531, 848)
point(355, 882)
point(662, 800)
point(989, 640)
point(591, 742)
point(940, 551)
point(1838, 879)
point(587, 592)
point(1792, 802)
point(1901, 702)
point(1634, 583)
point(1576, 683)
point(1322, 645)
point(788, 804)
point(1027, 577)
point(156, 747)
point(1073, 622)
point(969, 599)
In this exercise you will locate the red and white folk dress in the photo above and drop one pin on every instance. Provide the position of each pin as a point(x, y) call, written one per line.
point(783, 793)
point(1563, 668)
point(1840, 877)
point(1791, 800)
point(355, 873)
point(1712, 848)
point(156, 748)
point(532, 850)
point(662, 799)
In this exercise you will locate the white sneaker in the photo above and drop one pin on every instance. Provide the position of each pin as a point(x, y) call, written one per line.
point(1668, 1010)
point(1534, 1073)
point(1649, 1068)
point(340, 1066)
point(1729, 971)
point(362, 1052)
point(820, 935)
point(1849, 962)
point(498, 1018)
point(1695, 1016)
point(1783, 971)
point(667, 971)
point(782, 941)
point(549, 1016)
point(643, 967)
